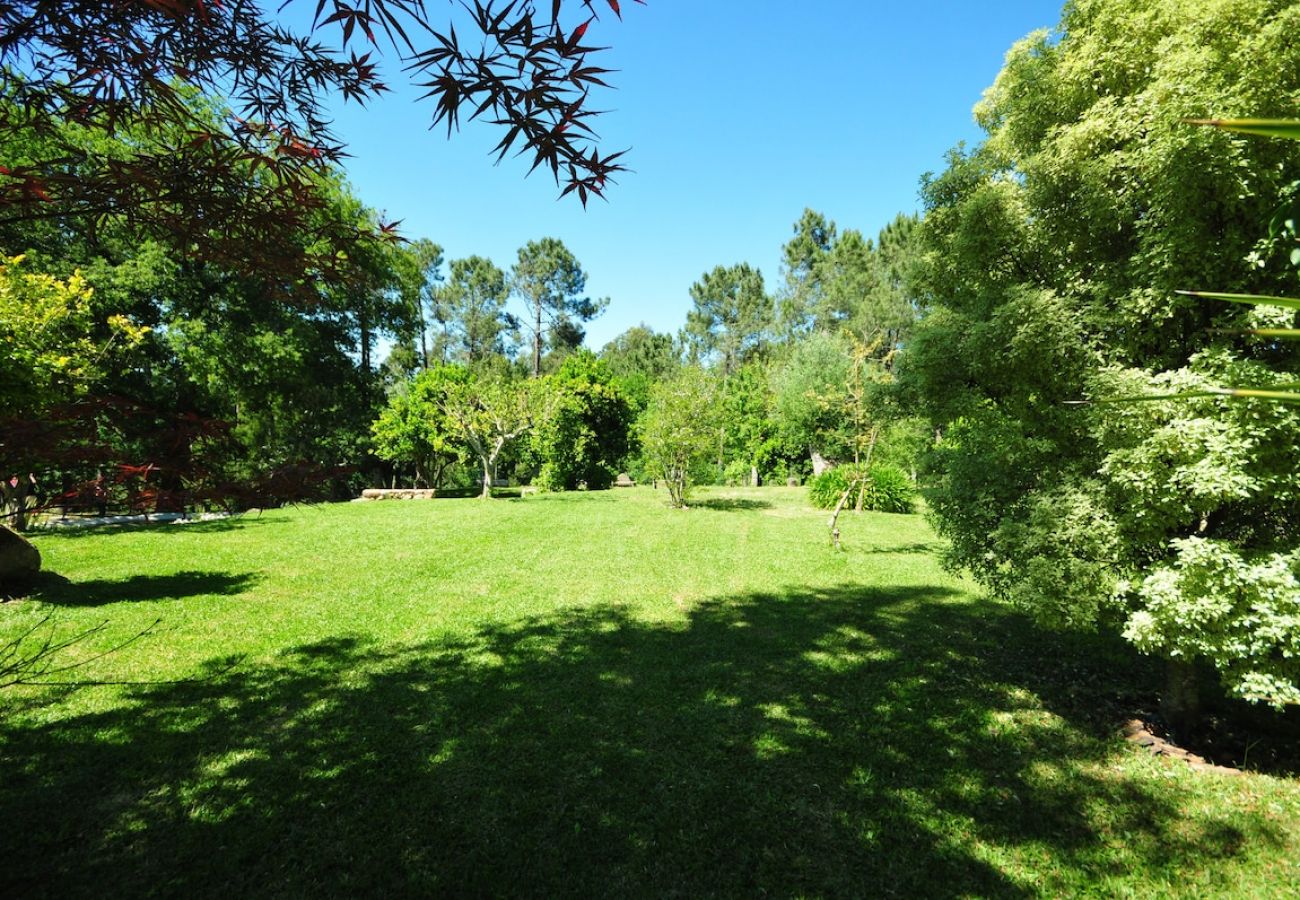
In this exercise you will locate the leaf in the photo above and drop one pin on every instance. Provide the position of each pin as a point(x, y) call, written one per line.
point(1249, 299)
point(1283, 128)
point(1289, 334)
point(1284, 396)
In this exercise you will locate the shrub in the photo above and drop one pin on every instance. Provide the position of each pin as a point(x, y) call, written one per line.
point(886, 489)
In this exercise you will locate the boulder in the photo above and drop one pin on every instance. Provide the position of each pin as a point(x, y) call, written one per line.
point(19, 559)
point(624, 480)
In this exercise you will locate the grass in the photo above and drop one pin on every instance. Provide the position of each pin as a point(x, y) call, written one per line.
point(590, 694)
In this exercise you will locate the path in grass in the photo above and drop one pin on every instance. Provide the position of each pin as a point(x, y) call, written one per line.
point(591, 694)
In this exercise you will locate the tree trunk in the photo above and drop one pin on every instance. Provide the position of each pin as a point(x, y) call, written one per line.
point(537, 342)
point(1181, 703)
point(753, 476)
point(489, 476)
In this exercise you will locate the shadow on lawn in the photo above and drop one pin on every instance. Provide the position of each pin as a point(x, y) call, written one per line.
point(840, 742)
point(730, 504)
point(53, 588)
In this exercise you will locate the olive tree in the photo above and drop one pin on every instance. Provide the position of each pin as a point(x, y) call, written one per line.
point(679, 429)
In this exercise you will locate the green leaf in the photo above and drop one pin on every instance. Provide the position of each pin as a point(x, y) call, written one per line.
point(1250, 299)
point(1283, 128)
point(1274, 393)
point(1289, 334)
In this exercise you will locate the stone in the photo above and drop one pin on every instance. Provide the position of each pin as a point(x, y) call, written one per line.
point(624, 480)
point(19, 559)
point(398, 494)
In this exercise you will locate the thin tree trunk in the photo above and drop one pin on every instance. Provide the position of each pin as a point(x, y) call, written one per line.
point(1181, 703)
point(488, 477)
point(537, 342)
point(866, 470)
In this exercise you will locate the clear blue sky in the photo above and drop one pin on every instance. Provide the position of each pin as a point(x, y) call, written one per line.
point(737, 116)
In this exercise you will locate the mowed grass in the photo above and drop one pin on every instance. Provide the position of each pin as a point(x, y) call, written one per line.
point(590, 695)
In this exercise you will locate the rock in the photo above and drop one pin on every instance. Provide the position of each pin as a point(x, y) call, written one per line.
point(624, 480)
point(19, 559)
point(398, 494)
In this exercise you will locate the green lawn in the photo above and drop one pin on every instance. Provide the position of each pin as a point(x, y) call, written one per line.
point(591, 694)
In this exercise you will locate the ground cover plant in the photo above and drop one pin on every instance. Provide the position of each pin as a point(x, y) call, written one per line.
point(591, 693)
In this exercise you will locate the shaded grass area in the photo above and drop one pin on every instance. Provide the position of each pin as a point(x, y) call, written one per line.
point(795, 722)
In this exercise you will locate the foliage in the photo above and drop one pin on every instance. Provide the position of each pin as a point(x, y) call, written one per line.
point(529, 72)
point(884, 488)
point(414, 428)
point(639, 357)
point(1055, 251)
point(808, 389)
point(679, 429)
point(491, 412)
point(585, 435)
point(731, 317)
point(549, 279)
point(473, 302)
point(47, 331)
point(842, 282)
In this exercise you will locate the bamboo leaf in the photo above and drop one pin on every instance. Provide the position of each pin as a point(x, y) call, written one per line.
point(1273, 393)
point(1283, 128)
point(1288, 334)
point(1249, 299)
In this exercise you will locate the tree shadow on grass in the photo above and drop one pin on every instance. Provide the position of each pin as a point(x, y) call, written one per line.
point(730, 504)
point(838, 742)
point(55, 589)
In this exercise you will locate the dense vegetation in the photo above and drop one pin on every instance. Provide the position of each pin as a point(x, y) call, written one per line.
point(1020, 361)
point(1055, 250)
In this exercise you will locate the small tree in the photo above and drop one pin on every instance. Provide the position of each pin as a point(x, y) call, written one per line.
point(490, 414)
point(586, 433)
point(679, 429)
point(415, 430)
point(809, 394)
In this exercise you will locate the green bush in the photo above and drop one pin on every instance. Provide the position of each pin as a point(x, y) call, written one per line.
point(886, 489)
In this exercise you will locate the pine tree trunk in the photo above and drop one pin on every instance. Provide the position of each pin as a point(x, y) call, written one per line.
point(1181, 703)
point(537, 342)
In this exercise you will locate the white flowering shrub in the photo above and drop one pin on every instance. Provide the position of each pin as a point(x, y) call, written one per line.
point(1242, 613)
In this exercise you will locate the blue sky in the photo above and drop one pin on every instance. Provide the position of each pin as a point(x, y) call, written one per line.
point(737, 116)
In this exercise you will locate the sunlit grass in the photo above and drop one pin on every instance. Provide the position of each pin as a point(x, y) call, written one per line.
point(590, 694)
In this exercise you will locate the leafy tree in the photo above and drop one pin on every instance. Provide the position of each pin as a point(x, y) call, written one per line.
point(731, 316)
point(1054, 251)
point(752, 439)
point(638, 358)
point(492, 412)
point(844, 282)
point(474, 302)
point(549, 280)
point(809, 389)
point(585, 435)
point(530, 73)
point(415, 430)
point(803, 259)
point(679, 429)
point(48, 358)
point(419, 269)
